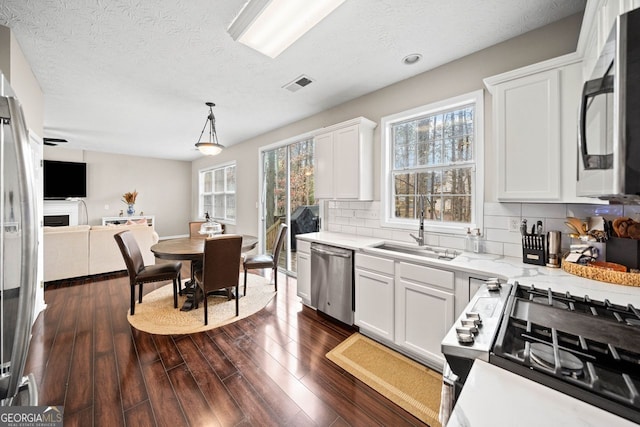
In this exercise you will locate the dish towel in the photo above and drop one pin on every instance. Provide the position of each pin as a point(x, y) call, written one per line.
point(446, 403)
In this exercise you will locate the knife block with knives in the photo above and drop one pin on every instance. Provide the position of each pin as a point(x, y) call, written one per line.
point(534, 245)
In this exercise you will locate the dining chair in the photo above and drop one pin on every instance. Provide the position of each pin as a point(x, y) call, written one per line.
point(220, 269)
point(140, 274)
point(194, 229)
point(259, 261)
point(194, 233)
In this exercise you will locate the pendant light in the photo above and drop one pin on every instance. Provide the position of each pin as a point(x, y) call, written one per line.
point(210, 147)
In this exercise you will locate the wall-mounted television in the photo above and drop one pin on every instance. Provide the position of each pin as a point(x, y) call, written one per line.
point(64, 179)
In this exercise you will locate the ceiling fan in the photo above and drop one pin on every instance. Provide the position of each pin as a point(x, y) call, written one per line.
point(53, 141)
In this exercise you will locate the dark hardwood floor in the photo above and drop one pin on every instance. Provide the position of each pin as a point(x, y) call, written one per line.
point(267, 369)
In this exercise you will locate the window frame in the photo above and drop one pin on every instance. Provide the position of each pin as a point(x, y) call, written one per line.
point(225, 192)
point(387, 218)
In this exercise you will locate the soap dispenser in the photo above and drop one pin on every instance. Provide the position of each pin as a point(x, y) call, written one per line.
point(477, 242)
point(468, 241)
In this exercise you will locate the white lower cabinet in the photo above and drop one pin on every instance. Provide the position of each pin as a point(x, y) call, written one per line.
point(424, 309)
point(374, 294)
point(303, 253)
point(374, 303)
point(407, 306)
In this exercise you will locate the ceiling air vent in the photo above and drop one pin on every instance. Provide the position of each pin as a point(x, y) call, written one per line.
point(298, 83)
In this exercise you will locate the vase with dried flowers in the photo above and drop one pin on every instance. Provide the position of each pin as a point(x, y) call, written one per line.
point(130, 200)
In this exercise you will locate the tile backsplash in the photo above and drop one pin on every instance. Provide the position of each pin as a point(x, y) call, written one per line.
point(363, 218)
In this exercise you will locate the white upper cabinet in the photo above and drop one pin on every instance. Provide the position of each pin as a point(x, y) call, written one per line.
point(323, 167)
point(344, 161)
point(527, 134)
point(599, 17)
point(535, 121)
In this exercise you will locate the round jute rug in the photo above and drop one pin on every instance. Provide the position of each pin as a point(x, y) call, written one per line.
point(156, 314)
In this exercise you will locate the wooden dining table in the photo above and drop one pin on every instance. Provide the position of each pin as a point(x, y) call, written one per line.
point(191, 249)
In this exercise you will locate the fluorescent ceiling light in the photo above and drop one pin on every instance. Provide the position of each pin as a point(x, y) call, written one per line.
point(271, 26)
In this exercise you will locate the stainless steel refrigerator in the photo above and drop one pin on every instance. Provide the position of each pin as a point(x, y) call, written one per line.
point(18, 251)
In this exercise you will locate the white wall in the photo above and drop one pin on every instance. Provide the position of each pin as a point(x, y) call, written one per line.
point(461, 76)
point(164, 187)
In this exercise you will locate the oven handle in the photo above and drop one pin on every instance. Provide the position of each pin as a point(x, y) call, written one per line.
point(591, 89)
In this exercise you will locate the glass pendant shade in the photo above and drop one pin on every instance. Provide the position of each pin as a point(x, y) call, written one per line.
point(209, 148)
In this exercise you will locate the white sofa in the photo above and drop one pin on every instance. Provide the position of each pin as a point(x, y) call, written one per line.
point(82, 250)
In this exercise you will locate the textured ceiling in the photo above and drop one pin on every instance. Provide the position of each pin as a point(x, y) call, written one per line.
point(132, 76)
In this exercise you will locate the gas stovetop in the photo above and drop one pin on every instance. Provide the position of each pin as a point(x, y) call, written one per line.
point(588, 349)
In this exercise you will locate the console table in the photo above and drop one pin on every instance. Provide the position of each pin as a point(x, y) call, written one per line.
point(123, 219)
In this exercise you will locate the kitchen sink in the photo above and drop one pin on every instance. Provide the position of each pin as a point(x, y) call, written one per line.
point(422, 251)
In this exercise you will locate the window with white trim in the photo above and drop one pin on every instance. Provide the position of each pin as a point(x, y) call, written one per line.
point(435, 151)
point(217, 193)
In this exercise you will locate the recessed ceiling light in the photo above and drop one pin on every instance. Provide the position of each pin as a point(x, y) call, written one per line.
point(411, 59)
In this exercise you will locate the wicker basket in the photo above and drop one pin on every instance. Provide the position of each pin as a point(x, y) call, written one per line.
point(602, 275)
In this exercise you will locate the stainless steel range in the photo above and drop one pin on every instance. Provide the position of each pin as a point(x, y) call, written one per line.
point(474, 332)
point(584, 348)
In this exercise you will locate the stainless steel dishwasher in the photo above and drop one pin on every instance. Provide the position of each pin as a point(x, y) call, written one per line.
point(332, 281)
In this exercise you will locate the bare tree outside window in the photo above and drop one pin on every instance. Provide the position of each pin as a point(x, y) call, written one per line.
point(289, 191)
point(433, 156)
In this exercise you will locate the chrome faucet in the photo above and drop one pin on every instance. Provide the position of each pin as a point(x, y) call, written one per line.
point(420, 238)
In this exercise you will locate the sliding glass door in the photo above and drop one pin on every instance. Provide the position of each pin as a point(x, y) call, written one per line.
point(288, 196)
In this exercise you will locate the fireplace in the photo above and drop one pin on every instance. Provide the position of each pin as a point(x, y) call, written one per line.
point(56, 220)
point(61, 212)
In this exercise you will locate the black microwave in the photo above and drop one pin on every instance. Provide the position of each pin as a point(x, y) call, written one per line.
point(609, 128)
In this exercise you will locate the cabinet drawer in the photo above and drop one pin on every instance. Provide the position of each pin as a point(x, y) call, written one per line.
point(381, 265)
point(427, 275)
point(303, 246)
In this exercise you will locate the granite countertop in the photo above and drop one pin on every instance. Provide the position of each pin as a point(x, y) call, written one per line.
point(507, 268)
